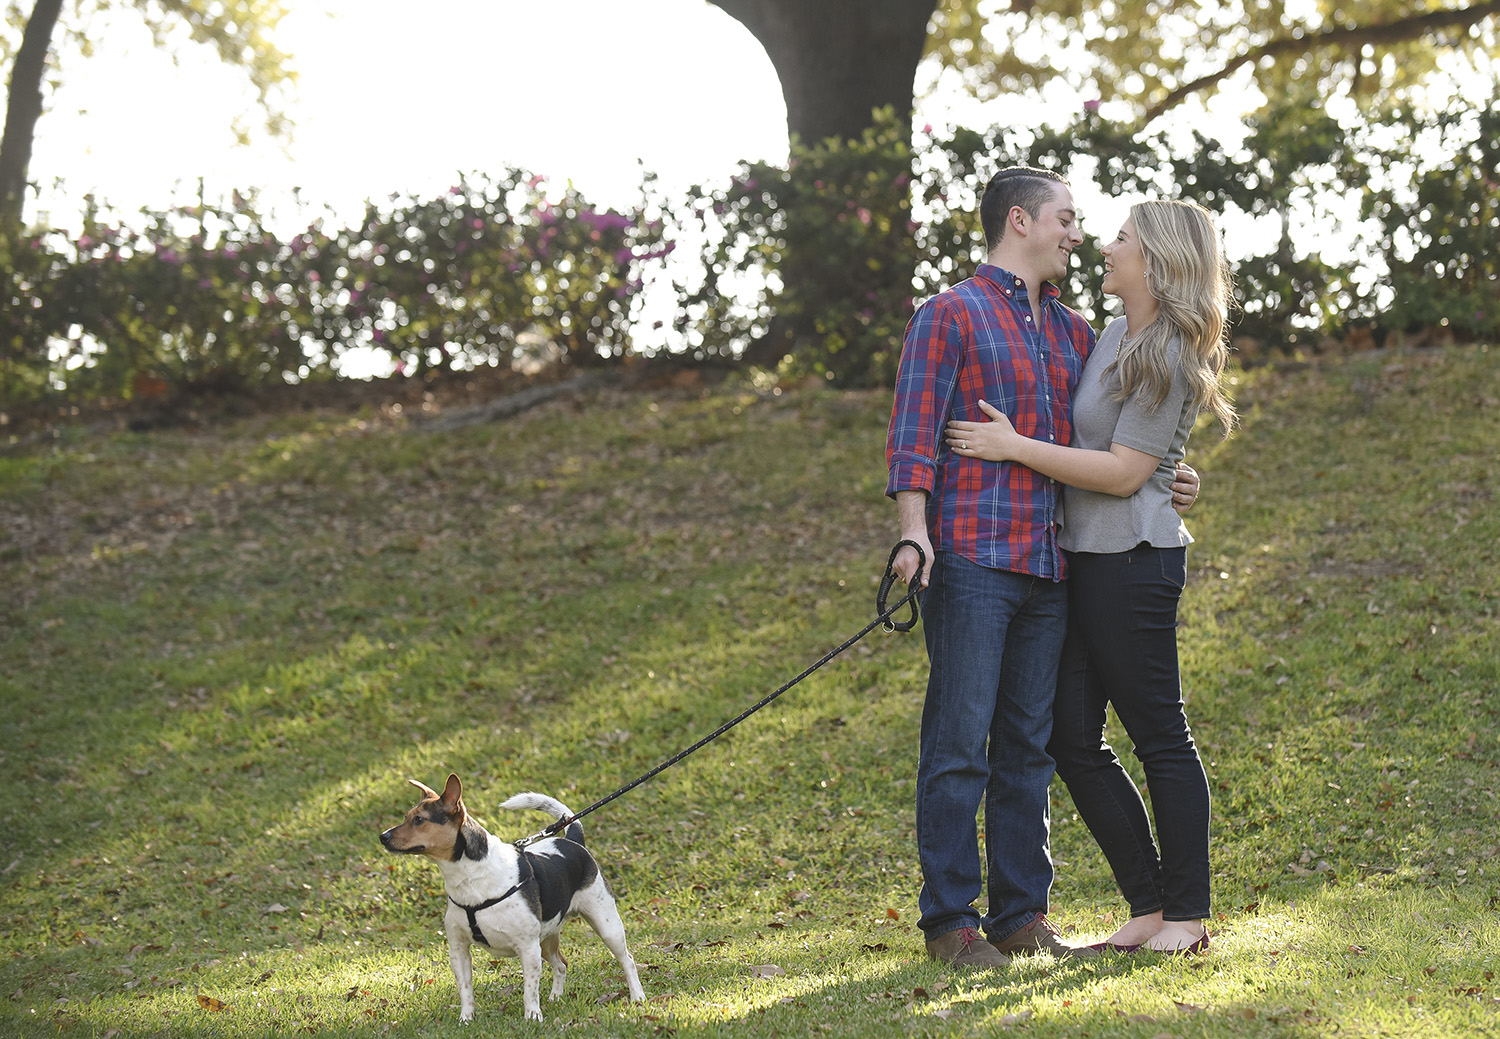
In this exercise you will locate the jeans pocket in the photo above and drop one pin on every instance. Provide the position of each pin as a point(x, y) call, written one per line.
point(1174, 566)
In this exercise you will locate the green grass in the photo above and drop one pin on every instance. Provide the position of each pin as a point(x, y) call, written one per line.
point(222, 654)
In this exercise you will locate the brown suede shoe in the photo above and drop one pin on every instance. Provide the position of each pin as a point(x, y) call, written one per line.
point(1041, 935)
point(966, 948)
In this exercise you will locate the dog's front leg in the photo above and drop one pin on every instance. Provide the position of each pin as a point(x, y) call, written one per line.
point(531, 980)
point(461, 959)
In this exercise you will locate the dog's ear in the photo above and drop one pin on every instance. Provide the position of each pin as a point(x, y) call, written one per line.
point(453, 793)
point(427, 791)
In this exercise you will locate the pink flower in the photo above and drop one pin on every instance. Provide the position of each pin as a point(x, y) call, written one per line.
point(1091, 105)
point(85, 242)
point(534, 181)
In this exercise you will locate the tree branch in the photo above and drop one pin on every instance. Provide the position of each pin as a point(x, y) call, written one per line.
point(1344, 36)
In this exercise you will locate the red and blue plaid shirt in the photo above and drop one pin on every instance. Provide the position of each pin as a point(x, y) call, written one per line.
point(976, 342)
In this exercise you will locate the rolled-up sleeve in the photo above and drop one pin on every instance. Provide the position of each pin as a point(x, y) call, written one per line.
point(925, 384)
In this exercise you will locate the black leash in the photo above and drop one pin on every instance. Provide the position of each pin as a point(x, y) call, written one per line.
point(885, 619)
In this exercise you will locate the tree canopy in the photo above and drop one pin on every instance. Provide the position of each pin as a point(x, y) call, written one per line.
point(240, 31)
point(840, 59)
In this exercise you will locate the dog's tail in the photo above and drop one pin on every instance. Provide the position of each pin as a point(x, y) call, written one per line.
point(552, 806)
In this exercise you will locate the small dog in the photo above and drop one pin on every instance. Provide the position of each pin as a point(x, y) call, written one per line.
point(513, 901)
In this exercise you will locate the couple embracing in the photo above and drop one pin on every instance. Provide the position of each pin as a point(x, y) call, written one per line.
point(1042, 465)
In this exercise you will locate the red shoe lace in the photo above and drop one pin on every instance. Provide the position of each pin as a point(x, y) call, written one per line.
point(1041, 920)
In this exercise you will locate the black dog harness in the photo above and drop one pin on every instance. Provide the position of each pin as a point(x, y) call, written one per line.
point(473, 911)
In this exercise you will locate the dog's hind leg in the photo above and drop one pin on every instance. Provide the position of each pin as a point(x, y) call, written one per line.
point(552, 953)
point(604, 918)
point(461, 959)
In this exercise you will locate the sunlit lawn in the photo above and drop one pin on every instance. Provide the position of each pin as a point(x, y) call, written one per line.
point(223, 652)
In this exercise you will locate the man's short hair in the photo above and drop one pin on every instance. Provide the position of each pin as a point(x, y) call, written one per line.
point(1023, 186)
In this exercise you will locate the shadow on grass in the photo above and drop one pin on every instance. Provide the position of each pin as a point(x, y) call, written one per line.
point(1365, 948)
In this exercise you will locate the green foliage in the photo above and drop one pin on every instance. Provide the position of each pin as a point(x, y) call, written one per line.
point(1147, 55)
point(811, 270)
point(830, 240)
point(206, 298)
point(1439, 237)
point(454, 281)
point(225, 652)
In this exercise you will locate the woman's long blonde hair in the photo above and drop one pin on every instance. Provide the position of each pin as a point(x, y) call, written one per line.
point(1187, 274)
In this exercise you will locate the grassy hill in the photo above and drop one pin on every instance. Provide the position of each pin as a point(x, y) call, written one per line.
point(223, 652)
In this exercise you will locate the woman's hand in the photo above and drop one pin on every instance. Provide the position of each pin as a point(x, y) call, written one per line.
point(993, 441)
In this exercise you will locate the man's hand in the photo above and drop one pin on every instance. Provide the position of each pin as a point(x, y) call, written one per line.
point(1184, 488)
point(911, 507)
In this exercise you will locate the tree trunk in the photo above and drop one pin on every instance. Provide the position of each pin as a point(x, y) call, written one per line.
point(23, 109)
point(838, 59)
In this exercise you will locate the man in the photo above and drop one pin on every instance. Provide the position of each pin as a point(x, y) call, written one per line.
point(994, 611)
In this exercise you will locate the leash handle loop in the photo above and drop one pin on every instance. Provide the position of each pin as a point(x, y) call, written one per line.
point(888, 581)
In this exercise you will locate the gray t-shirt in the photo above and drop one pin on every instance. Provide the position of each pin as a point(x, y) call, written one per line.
point(1095, 522)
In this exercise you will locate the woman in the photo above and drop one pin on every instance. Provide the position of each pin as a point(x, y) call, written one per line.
point(1150, 375)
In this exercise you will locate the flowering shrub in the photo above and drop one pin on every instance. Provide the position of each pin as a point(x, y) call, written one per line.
point(453, 282)
point(206, 298)
point(808, 270)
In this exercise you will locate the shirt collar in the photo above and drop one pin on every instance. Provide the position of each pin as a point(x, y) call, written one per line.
point(1005, 280)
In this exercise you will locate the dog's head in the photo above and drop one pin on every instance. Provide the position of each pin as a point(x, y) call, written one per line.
point(434, 826)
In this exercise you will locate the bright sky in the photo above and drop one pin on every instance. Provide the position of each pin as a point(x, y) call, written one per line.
point(391, 100)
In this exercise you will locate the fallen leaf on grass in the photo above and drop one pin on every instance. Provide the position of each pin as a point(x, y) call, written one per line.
point(1189, 1008)
point(765, 970)
point(944, 1014)
point(210, 1003)
point(893, 914)
point(1011, 1019)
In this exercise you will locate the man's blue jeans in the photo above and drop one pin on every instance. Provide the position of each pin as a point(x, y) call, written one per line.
point(993, 641)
